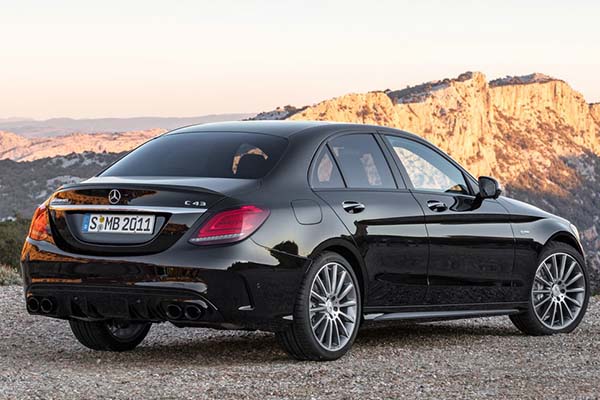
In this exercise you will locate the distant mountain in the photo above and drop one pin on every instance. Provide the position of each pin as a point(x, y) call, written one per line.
point(19, 148)
point(535, 133)
point(14, 119)
point(63, 126)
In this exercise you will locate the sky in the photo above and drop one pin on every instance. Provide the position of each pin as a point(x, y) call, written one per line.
point(108, 58)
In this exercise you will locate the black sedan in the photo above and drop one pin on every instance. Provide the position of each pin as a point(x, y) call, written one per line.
point(305, 229)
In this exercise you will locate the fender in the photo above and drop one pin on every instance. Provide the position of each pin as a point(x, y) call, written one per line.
point(530, 239)
point(569, 238)
point(346, 248)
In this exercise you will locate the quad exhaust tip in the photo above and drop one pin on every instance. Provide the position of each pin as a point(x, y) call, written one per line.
point(174, 311)
point(46, 305)
point(183, 311)
point(193, 312)
point(33, 305)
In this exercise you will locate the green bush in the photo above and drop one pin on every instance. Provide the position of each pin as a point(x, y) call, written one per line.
point(12, 236)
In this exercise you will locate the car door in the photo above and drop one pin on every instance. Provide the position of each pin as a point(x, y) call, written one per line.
point(352, 175)
point(471, 241)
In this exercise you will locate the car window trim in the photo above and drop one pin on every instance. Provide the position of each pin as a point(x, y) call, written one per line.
point(367, 189)
point(451, 194)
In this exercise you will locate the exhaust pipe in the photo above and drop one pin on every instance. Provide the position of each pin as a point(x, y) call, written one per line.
point(193, 312)
point(33, 305)
point(46, 305)
point(174, 311)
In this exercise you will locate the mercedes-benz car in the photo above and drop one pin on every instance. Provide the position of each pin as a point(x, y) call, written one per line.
point(305, 229)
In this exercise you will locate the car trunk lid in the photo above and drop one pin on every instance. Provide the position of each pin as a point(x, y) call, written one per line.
point(170, 205)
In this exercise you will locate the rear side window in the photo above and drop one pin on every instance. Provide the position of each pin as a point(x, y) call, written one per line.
point(325, 173)
point(362, 162)
point(211, 155)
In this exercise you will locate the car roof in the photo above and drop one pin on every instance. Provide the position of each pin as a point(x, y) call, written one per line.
point(276, 128)
point(280, 128)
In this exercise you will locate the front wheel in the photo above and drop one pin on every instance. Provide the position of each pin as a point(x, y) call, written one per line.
point(109, 335)
point(559, 293)
point(327, 311)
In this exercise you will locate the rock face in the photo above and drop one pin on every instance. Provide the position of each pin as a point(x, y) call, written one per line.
point(482, 125)
point(535, 133)
point(9, 141)
point(595, 111)
point(18, 148)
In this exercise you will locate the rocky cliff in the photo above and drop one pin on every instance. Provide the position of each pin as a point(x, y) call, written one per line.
point(481, 124)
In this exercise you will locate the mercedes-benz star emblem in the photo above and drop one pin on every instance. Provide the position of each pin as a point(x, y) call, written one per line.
point(114, 196)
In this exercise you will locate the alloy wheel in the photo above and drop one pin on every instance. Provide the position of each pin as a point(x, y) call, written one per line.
point(558, 291)
point(333, 306)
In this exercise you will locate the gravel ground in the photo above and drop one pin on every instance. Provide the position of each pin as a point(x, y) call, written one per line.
point(466, 359)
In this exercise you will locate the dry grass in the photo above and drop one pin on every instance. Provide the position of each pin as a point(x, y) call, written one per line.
point(9, 276)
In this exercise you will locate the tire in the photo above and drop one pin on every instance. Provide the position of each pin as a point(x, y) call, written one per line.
point(547, 320)
point(108, 336)
point(337, 314)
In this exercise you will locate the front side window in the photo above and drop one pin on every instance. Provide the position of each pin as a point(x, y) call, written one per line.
point(362, 163)
point(203, 154)
point(427, 169)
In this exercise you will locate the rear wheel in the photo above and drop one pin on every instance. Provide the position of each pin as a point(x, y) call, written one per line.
point(327, 311)
point(109, 335)
point(559, 293)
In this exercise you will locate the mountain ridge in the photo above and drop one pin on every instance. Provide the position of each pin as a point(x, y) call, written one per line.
point(32, 128)
point(18, 148)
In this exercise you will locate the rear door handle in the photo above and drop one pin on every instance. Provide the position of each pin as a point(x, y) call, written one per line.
point(353, 207)
point(437, 206)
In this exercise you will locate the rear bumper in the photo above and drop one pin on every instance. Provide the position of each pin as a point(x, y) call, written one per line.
point(242, 286)
point(68, 301)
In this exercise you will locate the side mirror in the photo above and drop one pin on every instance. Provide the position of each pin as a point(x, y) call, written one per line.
point(489, 188)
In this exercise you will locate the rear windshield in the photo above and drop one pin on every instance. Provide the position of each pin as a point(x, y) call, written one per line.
point(211, 155)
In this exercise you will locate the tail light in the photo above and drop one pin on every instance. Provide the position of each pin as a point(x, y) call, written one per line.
point(40, 225)
point(231, 225)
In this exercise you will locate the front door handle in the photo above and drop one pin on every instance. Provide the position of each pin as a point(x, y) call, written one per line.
point(437, 206)
point(353, 207)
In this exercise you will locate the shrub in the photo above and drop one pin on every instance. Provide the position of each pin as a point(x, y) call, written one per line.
point(12, 236)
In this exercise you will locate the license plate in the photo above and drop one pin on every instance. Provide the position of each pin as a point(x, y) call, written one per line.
point(118, 223)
